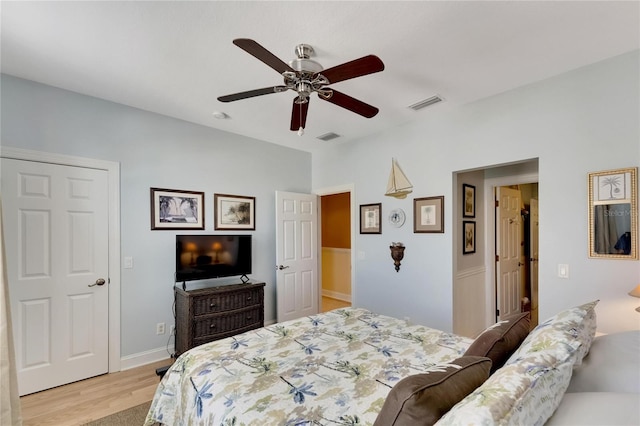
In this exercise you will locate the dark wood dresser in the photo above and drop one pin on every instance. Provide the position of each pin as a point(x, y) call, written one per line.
point(212, 313)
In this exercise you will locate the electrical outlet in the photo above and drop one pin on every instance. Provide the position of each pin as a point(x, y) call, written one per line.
point(160, 328)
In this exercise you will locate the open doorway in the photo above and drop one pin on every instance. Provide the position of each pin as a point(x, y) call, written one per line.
point(516, 247)
point(475, 298)
point(335, 239)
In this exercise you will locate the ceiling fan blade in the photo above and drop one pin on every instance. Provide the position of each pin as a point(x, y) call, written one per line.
point(252, 93)
point(255, 49)
point(347, 102)
point(366, 65)
point(299, 114)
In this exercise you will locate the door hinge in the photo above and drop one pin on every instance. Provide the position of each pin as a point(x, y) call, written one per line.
point(497, 203)
point(497, 312)
point(497, 258)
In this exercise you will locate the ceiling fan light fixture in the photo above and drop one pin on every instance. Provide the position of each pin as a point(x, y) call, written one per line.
point(301, 98)
point(306, 76)
point(302, 63)
point(306, 65)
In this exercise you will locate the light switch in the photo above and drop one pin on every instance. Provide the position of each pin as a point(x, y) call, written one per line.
point(128, 262)
point(563, 270)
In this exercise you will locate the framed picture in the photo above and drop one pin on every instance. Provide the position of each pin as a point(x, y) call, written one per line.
point(612, 186)
point(234, 212)
point(468, 237)
point(428, 214)
point(613, 214)
point(176, 209)
point(370, 222)
point(468, 200)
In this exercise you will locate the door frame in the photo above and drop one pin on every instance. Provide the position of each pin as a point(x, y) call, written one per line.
point(340, 189)
point(113, 172)
point(489, 241)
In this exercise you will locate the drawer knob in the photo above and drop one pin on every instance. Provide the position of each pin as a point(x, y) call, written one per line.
point(213, 305)
point(212, 326)
point(248, 318)
point(248, 297)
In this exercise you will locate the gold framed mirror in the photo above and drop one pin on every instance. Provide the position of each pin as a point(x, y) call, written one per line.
point(613, 214)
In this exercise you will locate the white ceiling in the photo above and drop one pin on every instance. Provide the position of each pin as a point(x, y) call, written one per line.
point(176, 57)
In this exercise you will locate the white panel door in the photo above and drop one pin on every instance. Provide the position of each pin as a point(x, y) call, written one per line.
point(509, 247)
point(56, 220)
point(296, 255)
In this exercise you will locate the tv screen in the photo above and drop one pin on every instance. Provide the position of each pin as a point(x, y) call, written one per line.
point(200, 257)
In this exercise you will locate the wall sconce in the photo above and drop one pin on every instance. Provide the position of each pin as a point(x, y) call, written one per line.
point(636, 293)
point(397, 253)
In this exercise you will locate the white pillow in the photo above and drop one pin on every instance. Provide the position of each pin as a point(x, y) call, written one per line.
point(567, 336)
point(522, 393)
point(612, 365)
point(597, 409)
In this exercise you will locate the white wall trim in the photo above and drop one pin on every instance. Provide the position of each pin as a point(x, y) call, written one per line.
point(336, 295)
point(470, 272)
point(147, 357)
point(337, 249)
point(469, 287)
point(113, 171)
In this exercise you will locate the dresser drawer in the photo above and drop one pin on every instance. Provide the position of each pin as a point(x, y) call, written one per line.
point(228, 321)
point(210, 313)
point(214, 303)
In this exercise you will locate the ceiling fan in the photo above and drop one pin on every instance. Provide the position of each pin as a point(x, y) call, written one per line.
point(305, 76)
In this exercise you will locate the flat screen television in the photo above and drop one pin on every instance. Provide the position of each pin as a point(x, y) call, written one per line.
point(200, 257)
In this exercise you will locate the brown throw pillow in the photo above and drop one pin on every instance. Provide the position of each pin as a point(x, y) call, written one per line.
point(501, 340)
point(422, 399)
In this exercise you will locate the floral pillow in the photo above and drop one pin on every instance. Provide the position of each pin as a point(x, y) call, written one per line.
point(523, 393)
point(567, 335)
point(530, 386)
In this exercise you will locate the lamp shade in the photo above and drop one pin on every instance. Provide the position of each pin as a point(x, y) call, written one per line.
point(635, 292)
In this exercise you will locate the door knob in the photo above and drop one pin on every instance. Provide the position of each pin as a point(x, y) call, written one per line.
point(99, 281)
point(280, 267)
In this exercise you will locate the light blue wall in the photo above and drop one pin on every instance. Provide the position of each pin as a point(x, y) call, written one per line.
point(576, 123)
point(156, 151)
point(579, 122)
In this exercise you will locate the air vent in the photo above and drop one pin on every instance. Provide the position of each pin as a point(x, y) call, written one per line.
point(328, 136)
point(425, 103)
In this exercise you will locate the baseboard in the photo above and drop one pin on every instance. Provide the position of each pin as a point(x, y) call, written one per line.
point(144, 358)
point(336, 295)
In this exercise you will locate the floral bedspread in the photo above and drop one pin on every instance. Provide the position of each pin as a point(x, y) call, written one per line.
point(327, 369)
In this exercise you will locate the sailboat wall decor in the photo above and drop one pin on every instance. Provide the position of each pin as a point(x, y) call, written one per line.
point(398, 186)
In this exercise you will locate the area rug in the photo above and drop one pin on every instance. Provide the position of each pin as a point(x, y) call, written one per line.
point(133, 416)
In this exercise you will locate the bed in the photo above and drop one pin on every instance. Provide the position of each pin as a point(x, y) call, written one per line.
point(333, 368)
point(354, 367)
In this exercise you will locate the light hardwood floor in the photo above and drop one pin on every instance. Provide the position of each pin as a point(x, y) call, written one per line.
point(91, 399)
point(329, 303)
point(81, 402)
